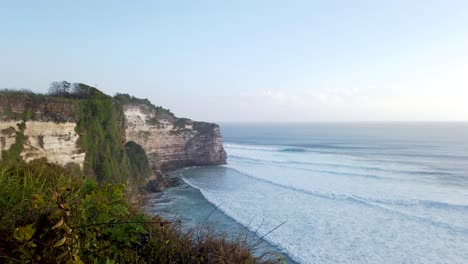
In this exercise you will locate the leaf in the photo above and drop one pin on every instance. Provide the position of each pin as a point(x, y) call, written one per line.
point(54, 196)
point(63, 255)
point(64, 189)
point(65, 207)
point(77, 260)
point(60, 242)
point(37, 201)
point(67, 229)
point(58, 224)
point(24, 233)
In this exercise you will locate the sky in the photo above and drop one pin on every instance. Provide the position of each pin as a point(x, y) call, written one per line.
point(247, 60)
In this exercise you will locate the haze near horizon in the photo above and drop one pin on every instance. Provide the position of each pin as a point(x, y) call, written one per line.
point(250, 61)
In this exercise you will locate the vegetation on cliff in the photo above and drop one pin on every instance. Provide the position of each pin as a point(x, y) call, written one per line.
point(14, 153)
point(101, 129)
point(139, 162)
point(100, 124)
point(156, 113)
point(24, 104)
point(127, 99)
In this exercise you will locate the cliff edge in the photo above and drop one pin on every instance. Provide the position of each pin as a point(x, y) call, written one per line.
point(171, 143)
point(49, 127)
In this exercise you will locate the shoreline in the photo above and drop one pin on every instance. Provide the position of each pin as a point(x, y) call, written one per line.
point(186, 203)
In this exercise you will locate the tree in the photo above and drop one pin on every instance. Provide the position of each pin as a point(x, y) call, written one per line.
point(62, 88)
point(80, 91)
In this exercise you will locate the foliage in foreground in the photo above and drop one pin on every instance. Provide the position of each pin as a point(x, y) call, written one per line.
point(48, 215)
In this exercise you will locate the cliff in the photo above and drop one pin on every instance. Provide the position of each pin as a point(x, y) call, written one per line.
point(172, 143)
point(103, 134)
point(49, 127)
point(57, 142)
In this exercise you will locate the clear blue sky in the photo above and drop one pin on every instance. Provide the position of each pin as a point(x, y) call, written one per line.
point(250, 60)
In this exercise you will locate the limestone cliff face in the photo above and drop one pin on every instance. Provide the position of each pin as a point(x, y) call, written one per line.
point(50, 134)
point(54, 141)
point(172, 143)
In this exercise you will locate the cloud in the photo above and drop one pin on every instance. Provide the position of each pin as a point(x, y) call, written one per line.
point(276, 95)
point(334, 95)
point(304, 98)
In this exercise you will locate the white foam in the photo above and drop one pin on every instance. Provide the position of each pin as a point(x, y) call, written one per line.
point(341, 207)
point(322, 230)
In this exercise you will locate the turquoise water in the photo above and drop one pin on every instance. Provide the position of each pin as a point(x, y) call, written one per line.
point(187, 204)
point(349, 193)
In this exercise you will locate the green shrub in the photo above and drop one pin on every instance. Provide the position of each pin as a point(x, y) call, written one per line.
point(31, 199)
point(13, 154)
point(126, 99)
point(203, 127)
point(180, 123)
point(139, 163)
point(153, 121)
point(101, 129)
point(49, 216)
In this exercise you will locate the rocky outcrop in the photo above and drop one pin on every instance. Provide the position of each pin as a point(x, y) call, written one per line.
point(172, 143)
point(54, 141)
point(38, 108)
point(50, 133)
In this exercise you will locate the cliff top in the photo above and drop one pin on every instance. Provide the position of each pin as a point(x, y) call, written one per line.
point(60, 105)
point(158, 113)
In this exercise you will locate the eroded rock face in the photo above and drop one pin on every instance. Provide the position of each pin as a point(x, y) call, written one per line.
point(7, 135)
point(54, 141)
point(45, 109)
point(50, 131)
point(171, 143)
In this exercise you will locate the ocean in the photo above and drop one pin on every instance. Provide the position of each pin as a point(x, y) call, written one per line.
point(339, 192)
